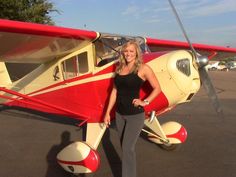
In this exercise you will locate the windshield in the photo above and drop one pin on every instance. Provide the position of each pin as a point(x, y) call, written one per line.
point(108, 46)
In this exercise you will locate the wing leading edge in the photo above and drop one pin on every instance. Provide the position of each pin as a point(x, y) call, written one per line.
point(218, 52)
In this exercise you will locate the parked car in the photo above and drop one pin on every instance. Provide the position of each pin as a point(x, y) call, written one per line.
point(217, 66)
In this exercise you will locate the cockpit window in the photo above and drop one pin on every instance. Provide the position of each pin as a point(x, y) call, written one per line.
point(108, 47)
point(75, 66)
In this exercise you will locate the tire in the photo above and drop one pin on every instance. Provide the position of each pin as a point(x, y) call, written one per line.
point(213, 69)
point(170, 147)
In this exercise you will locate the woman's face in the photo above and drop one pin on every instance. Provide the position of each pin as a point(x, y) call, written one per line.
point(130, 53)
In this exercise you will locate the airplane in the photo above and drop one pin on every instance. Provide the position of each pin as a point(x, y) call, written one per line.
point(72, 75)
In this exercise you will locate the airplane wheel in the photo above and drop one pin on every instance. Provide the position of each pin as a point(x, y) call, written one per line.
point(170, 147)
point(78, 158)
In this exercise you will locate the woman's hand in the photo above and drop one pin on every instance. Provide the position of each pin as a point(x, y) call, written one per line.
point(107, 120)
point(138, 102)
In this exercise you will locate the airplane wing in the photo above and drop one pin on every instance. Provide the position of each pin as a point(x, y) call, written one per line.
point(23, 42)
point(216, 52)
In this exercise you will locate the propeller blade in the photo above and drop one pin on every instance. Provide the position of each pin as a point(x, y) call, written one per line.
point(181, 26)
point(206, 81)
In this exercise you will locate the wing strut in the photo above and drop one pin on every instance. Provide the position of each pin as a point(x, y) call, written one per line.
point(33, 101)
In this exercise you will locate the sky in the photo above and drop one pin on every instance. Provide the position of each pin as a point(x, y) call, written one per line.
point(205, 21)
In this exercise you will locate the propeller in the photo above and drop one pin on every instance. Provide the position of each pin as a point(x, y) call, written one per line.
point(201, 62)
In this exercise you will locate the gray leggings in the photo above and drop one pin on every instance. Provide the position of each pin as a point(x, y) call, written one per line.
point(129, 128)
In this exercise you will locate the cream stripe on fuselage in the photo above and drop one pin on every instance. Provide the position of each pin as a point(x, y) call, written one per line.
point(78, 82)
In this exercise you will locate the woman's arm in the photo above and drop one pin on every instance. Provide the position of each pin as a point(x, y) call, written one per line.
point(148, 74)
point(151, 78)
point(111, 103)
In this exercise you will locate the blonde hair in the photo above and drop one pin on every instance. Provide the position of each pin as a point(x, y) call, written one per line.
point(138, 59)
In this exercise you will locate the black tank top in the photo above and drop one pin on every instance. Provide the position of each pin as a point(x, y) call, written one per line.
point(128, 87)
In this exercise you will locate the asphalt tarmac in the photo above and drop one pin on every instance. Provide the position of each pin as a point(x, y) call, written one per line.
point(29, 142)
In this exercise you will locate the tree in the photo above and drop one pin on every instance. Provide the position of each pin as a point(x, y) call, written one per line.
point(36, 11)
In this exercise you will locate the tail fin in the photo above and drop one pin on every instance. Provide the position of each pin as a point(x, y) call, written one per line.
point(4, 76)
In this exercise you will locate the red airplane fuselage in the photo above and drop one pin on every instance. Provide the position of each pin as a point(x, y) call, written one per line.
point(86, 100)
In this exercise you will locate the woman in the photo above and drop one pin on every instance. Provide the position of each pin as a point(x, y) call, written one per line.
point(131, 73)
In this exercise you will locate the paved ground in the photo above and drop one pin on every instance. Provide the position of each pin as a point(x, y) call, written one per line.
point(29, 142)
